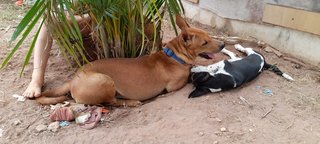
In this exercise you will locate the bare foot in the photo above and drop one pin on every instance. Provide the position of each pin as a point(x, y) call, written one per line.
point(33, 90)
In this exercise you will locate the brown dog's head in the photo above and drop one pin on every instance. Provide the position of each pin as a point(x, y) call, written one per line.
point(193, 42)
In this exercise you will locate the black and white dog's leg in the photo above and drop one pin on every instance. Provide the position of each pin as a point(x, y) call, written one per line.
point(240, 48)
point(229, 53)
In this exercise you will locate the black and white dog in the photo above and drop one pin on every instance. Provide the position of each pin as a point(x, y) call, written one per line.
point(230, 73)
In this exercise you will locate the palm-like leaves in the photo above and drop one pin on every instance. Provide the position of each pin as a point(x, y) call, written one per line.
point(120, 28)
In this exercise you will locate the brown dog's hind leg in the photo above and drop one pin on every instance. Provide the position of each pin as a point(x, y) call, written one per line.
point(129, 103)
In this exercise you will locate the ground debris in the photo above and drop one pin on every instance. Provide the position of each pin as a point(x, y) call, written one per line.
point(298, 62)
point(19, 97)
point(1, 132)
point(200, 133)
point(290, 126)
point(265, 115)
point(245, 101)
point(64, 123)
point(59, 105)
point(7, 29)
point(223, 129)
point(16, 122)
point(218, 120)
point(235, 40)
point(54, 126)
point(269, 49)
point(41, 128)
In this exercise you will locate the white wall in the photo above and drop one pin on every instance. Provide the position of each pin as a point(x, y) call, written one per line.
point(252, 10)
point(243, 17)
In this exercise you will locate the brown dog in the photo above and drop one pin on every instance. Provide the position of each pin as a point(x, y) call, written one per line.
point(138, 79)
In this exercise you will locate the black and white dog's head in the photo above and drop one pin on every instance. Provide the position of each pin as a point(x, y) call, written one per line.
point(205, 83)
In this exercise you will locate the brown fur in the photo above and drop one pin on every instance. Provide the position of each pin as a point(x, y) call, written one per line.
point(136, 79)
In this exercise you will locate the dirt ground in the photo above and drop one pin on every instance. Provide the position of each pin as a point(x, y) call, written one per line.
point(290, 115)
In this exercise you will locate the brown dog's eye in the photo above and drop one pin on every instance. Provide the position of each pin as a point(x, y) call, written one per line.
point(205, 43)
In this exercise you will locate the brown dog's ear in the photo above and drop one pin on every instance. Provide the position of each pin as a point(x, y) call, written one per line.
point(182, 24)
point(185, 36)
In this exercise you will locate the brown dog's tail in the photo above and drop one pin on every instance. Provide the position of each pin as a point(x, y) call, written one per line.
point(54, 96)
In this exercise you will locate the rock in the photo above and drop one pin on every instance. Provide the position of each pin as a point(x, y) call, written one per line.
point(218, 120)
point(200, 133)
point(16, 122)
point(54, 126)
point(41, 127)
point(223, 129)
point(19, 97)
point(268, 49)
point(217, 133)
point(1, 132)
point(215, 142)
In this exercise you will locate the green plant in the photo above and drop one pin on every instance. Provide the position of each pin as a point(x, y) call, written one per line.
point(120, 28)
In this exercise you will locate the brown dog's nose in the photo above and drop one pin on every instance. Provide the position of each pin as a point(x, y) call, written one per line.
point(222, 45)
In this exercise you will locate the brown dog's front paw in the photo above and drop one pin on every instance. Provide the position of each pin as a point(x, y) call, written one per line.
point(128, 103)
point(133, 103)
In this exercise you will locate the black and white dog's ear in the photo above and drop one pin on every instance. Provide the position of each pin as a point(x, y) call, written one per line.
point(199, 92)
point(199, 77)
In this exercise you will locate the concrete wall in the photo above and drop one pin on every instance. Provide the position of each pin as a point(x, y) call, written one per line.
point(252, 10)
point(244, 18)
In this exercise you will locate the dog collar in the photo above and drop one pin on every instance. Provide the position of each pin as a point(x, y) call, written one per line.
point(171, 54)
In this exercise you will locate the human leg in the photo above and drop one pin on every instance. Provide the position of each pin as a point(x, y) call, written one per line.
point(41, 54)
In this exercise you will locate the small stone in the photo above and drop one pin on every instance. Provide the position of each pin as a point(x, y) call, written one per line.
point(218, 120)
point(268, 49)
point(215, 142)
point(200, 133)
point(1, 132)
point(223, 129)
point(250, 130)
point(54, 126)
point(41, 128)
point(19, 97)
point(217, 133)
point(16, 122)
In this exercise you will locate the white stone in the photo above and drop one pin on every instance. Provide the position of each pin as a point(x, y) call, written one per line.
point(1, 132)
point(54, 126)
point(223, 129)
point(41, 127)
point(16, 122)
point(200, 133)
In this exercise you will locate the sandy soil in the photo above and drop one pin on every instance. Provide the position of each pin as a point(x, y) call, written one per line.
point(290, 115)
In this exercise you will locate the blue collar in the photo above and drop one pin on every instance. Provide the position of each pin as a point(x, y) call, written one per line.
point(170, 53)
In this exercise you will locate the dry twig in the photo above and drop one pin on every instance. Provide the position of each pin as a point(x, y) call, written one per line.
point(265, 115)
